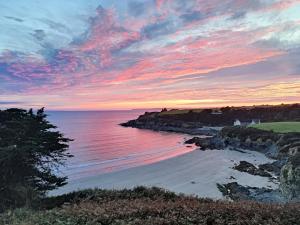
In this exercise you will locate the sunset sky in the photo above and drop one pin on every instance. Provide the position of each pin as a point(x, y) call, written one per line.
point(124, 54)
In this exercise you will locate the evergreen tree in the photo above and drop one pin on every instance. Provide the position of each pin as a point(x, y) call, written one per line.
point(31, 149)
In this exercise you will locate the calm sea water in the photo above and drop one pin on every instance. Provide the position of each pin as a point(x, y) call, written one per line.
point(101, 145)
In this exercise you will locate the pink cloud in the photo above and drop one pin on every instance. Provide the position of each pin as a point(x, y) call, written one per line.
point(102, 71)
point(222, 50)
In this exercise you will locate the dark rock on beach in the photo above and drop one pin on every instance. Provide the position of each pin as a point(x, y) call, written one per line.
point(247, 167)
point(234, 191)
point(207, 142)
point(274, 167)
point(238, 192)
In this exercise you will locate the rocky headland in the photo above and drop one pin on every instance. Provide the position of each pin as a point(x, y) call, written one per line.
point(208, 121)
point(153, 121)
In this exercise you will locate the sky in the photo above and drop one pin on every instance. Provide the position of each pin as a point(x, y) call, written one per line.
point(127, 54)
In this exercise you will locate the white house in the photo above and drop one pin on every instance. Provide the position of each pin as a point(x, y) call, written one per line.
point(216, 112)
point(237, 123)
point(255, 121)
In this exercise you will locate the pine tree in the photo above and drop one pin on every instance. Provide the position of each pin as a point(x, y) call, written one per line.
point(31, 149)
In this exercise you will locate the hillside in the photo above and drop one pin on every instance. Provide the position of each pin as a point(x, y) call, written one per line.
point(149, 206)
point(189, 121)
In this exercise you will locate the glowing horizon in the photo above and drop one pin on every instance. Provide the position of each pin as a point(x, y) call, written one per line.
point(101, 55)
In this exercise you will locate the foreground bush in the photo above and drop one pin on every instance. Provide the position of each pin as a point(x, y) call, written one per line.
point(149, 206)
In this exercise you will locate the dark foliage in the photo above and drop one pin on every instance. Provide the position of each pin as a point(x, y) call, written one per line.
point(242, 133)
point(30, 150)
point(283, 141)
point(228, 115)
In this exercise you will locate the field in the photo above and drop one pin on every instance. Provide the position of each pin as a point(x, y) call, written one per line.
point(279, 127)
point(179, 111)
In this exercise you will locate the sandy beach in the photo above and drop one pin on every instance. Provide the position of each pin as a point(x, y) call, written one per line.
point(194, 173)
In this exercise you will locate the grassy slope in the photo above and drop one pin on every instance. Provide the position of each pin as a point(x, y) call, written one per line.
point(279, 127)
point(150, 206)
point(179, 111)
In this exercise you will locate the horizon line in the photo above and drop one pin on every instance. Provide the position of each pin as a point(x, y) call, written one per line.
point(156, 108)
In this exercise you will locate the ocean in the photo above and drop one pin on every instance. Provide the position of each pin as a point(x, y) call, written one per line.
point(101, 145)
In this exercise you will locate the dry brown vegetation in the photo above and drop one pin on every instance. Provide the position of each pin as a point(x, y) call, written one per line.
point(151, 206)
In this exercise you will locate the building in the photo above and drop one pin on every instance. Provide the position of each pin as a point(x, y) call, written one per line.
point(255, 121)
point(216, 112)
point(237, 122)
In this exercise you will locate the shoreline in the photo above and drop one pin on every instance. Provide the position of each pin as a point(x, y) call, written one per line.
point(194, 173)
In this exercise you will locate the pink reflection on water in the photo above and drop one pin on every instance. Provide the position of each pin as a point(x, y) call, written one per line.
point(102, 146)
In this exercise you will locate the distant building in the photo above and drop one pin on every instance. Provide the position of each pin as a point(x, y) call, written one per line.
point(216, 112)
point(237, 122)
point(255, 121)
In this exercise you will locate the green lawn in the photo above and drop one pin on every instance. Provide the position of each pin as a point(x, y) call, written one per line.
point(279, 127)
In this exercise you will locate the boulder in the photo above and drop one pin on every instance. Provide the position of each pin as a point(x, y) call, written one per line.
point(207, 142)
point(247, 167)
point(238, 192)
point(274, 167)
point(234, 191)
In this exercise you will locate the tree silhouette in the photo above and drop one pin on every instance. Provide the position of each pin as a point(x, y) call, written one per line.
point(31, 149)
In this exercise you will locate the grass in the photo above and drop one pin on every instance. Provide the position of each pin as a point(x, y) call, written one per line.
point(279, 127)
point(179, 111)
point(150, 206)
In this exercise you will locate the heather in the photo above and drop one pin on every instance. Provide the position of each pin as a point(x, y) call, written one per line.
point(148, 206)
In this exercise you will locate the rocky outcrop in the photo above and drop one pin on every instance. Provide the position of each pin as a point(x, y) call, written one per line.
point(252, 139)
point(205, 143)
point(285, 148)
point(290, 178)
point(274, 167)
point(251, 169)
point(236, 192)
point(158, 124)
